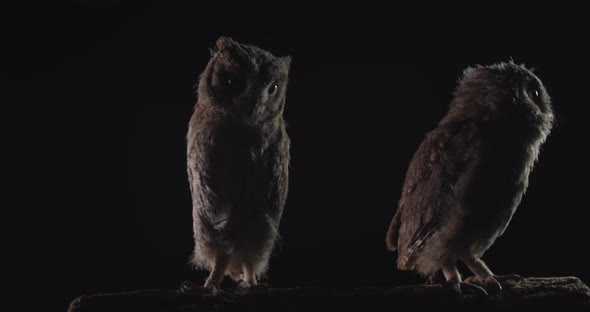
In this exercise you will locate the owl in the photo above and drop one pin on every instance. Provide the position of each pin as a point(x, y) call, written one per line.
point(469, 174)
point(238, 162)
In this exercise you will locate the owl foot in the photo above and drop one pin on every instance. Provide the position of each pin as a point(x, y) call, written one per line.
point(465, 288)
point(508, 281)
point(489, 283)
point(259, 288)
point(515, 278)
point(247, 288)
point(189, 287)
point(435, 279)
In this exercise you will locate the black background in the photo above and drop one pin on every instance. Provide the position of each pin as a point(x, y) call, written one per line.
point(98, 95)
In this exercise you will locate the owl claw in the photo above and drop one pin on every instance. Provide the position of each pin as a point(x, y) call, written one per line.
point(473, 289)
point(187, 287)
point(247, 288)
point(192, 288)
point(464, 288)
point(489, 283)
point(435, 279)
point(214, 290)
point(456, 288)
point(509, 278)
point(243, 287)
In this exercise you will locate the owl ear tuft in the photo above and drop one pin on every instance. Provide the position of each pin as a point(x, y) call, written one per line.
point(224, 43)
point(286, 60)
point(468, 72)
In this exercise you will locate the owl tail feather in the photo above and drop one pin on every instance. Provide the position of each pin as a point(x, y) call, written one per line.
point(393, 232)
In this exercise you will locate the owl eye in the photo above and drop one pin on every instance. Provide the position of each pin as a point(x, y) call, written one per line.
point(229, 83)
point(273, 89)
point(534, 95)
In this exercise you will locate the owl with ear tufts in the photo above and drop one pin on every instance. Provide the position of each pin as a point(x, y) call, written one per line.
point(469, 174)
point(238, 162)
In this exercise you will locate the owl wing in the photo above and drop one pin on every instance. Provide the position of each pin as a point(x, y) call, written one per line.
point(235, 181)
point(219, 166)
point(276, 165)
point(266, 184)
point(429, 191)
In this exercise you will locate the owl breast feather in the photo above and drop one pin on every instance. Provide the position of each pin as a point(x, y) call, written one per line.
point(238, 175)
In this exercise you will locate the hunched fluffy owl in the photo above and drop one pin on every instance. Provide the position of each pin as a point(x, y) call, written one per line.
point(237, 161)
point(469, 174)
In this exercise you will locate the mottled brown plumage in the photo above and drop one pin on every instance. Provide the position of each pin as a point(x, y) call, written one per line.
point(469, 174)
point(237, 161)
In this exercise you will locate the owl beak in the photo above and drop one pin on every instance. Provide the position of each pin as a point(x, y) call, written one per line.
point(248, 105)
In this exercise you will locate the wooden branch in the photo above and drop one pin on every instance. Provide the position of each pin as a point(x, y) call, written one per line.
point(565, 293)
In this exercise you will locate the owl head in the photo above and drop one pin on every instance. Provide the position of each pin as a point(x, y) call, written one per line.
point(502, 90)
point(244, 81)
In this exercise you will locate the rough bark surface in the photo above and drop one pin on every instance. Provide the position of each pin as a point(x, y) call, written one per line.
point(563, 293)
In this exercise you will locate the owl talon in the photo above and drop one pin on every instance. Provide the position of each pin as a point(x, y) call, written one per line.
point(243, 287)
point(247, 288)
point(214, 290)
point(456, 288)
point(189, 287)
point(509, 278)
point(488, 283)
point(259, 288)
point(464, 288)
point(435, 279)
point(471, 289)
